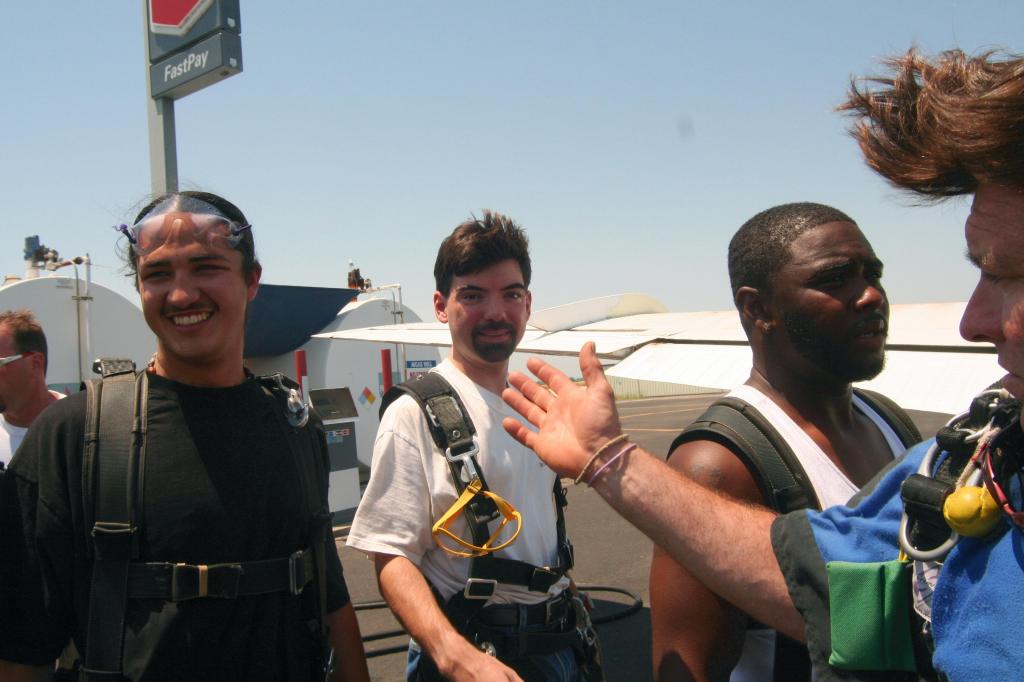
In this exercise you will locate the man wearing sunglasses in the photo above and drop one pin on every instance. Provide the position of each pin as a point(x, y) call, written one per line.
point(23, 392)
point(479, 601)
point(942, 127)
point(200, 548)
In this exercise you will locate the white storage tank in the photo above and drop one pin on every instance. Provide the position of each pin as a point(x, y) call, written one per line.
point(82, 321)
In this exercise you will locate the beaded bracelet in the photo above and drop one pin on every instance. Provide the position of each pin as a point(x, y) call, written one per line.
point(618, 439)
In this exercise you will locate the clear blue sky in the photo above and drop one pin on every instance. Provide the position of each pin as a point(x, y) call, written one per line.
point(630, 139)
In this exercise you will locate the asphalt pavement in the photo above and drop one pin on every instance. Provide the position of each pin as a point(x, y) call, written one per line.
point(609, 553)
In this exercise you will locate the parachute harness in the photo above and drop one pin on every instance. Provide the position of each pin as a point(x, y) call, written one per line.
point(967, 508)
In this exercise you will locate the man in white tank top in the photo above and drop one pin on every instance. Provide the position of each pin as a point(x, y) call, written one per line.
point(807, 286)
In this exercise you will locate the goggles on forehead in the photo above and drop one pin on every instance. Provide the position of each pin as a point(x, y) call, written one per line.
point(209, 229)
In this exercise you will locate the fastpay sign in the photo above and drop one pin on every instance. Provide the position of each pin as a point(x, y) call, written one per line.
point(192, 44)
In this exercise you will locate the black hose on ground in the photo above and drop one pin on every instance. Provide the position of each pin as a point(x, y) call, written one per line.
point(618, 614)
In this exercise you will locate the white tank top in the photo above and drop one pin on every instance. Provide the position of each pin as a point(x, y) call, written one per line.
point(832, 487)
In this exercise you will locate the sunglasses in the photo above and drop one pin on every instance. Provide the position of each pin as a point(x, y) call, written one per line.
point(11, 358)
point(208, 229)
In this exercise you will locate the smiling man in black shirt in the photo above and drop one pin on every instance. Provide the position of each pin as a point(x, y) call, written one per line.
point(231, 571)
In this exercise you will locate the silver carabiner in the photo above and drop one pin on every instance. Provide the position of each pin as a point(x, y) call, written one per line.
point(468, 472)
point(297, 411)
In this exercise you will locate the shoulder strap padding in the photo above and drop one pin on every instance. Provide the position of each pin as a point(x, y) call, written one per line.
point(109, 367)
point(893, 414)
point(114, 434)
point(449, 422)
point(738, 426)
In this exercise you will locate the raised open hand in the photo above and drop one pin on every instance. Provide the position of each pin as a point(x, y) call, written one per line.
point(572, 421)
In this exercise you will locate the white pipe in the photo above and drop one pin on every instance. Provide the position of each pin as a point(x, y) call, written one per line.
point(398, 313)
point(78, 324)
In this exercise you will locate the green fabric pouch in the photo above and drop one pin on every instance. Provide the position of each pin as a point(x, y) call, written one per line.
point(870, 615)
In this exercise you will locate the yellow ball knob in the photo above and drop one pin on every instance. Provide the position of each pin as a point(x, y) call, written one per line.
point(971, 511)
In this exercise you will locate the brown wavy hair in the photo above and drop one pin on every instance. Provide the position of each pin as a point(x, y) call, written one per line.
point(940, 127)
point(479, 243)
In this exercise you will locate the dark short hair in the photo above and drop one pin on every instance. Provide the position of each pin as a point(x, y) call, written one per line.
point(27, 333)
point(170, 200)
point(938, 127)
point(479, 243)
point(761, 246)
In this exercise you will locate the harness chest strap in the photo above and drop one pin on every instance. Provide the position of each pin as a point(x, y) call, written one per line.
point(182, 582)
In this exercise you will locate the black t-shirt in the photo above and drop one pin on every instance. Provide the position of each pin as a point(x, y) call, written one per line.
point(220, 484)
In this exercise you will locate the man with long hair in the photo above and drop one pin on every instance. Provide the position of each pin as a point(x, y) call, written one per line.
point(942, 127)
point(172, 521)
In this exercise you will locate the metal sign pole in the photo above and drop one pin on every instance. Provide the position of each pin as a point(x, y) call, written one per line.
point(163, 152)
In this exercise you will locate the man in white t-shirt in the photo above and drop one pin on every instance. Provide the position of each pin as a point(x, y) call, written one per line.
point(23, 392)
point(463, 625)
point(807, 286)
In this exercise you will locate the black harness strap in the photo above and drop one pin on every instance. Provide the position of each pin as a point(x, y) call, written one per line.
point(112, 448)
point(893, 414)
point(305, 442)
point(740, 427)
point(182, 582)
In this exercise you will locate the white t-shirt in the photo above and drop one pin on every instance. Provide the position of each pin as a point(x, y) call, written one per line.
point(831, 485)
point(410, 488)
point(11, 435)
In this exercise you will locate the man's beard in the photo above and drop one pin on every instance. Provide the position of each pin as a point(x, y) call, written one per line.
point(838, 359)
point(495, 352)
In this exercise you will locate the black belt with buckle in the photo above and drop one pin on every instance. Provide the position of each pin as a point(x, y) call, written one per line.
point(181, 582)
point(550, 612)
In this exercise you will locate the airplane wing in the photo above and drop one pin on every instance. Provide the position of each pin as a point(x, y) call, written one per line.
point(928, 366)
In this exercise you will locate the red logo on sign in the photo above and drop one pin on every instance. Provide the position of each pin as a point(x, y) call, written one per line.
point(176, 17)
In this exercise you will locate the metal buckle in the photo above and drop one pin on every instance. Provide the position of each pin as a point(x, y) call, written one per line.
point(471, 591)
point(539, 579)
point(466, 458)
point(563, 603)
point(296, 409)
point(192, 581)
point(430, 414)
point(549, 605)
point(297, 577)
point(584, 628)
point(328, 669)
point(192, 575)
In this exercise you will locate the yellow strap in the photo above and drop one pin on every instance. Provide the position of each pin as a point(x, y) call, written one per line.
point(508, 513)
